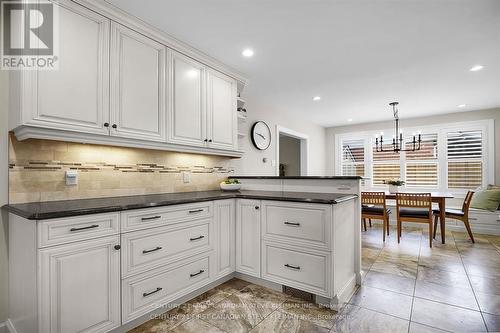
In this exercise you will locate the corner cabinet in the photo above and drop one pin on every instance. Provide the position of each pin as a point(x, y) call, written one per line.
point(201, 111)
point(120, 83)
point(248, 219)
point(187, 106)
point(138, 65)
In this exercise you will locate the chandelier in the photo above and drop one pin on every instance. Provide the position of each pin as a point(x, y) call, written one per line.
point(398, 143)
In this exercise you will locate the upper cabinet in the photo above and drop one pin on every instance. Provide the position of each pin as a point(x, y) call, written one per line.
point(138, 90)
point(187, 108)
point(222, 122)
point(119, 83)
point(74, 97)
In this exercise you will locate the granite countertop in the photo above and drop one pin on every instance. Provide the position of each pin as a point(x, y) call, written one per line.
point(298, 177)
point(56, 209)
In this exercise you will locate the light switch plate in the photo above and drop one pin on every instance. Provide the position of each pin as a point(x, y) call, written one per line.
point(186, 177)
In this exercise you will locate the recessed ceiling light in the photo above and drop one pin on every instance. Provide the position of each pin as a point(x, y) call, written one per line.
point(461, 105)
point(316, 98)
point(349, 120)
point(476, 68)
point(247, 53)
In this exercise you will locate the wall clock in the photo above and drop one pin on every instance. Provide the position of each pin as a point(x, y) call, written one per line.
point(261, 135)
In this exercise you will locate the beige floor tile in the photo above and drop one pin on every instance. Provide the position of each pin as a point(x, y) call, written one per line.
point(492, 322)
point(196, 326)
point(446, 317)
point(321, 316)
point(357, 319)
point(463, 297)
point(383, 301)
point(489, 285)
point(419, 328)
point(489, 303)
point(390, 282)
point(453, 279)
point(279, 322)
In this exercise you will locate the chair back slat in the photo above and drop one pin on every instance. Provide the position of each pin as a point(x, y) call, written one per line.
point(467, 201)
point(373, 198)
point(416, 200)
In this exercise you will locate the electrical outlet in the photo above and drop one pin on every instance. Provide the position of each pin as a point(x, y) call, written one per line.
point(186, 177)
point(71, 177)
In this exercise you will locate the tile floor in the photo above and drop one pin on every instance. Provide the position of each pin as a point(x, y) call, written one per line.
point(407, 287)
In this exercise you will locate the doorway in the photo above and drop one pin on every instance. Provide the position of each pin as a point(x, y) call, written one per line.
point(291, 152)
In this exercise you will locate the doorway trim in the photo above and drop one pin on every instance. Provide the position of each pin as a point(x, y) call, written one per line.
point(304, 148)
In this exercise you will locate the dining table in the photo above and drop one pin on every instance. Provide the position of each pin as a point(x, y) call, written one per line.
point(437, 197)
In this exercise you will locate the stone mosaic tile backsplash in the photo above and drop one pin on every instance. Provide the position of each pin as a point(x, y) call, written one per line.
point(37, 171)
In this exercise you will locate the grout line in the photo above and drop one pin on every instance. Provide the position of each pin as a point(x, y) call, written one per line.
point(415, 284)
point(468, 278)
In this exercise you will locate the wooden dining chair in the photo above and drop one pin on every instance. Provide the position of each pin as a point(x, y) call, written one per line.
point(457, 214)
point(373, 206)
point(414, 207)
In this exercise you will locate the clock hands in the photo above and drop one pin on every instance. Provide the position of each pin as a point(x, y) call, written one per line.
point(262, 136)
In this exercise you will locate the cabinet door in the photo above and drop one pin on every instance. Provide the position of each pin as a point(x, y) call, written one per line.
point(186, 123)
point(221, 111)
point(80, 287)
point(248, 237)
point(75, 96)
point(225, 225)
point(138, 86)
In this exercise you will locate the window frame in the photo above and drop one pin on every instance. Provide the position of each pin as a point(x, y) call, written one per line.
point(488, 154)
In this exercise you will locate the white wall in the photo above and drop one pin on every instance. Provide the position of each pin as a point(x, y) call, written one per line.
point(251, 163)
point(441, 119)
point(4, 90)
point(290, 155)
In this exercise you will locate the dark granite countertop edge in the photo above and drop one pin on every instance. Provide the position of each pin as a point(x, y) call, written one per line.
point(30, 215)
point(297, 177)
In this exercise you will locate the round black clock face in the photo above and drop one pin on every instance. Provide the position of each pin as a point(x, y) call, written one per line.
point(261, 135)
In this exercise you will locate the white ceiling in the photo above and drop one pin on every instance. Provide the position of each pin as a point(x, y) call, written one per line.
point(357, 55)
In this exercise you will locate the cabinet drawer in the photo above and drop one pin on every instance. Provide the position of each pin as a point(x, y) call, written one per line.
point(71, 229)
point(304, 224)
point(146, 249)
point(307, 271)
point(145, 292)
point(155, 217)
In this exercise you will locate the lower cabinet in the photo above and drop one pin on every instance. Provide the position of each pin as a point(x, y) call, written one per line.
point(225, 226)
point(80, 286)
point(248, 219)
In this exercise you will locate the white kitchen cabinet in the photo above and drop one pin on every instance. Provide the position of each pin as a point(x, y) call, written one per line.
point(80, 286)
point(138, 88)
point(225, 225)
point(221, 105)
point(186, 119)
point(74, 97)
point(248, 247)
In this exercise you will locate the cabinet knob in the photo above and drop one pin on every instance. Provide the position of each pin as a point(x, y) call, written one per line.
point(205, 140)
point(106, 124)
point(114, 126)
point(257, 207)
point(210, 140)
point(117, 247)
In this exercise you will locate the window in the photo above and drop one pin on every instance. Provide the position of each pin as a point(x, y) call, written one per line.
point(353, 158)
point(386, 165)
point(453, 157)
point(422, 165)
point(465, 159)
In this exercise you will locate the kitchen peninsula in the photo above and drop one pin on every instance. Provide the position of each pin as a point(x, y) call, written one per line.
point(122, 259)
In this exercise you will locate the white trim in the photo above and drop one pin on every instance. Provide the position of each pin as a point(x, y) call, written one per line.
point(304, 148)
point(29, 132)
point(486, 125)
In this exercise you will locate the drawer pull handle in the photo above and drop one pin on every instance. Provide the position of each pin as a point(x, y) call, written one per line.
point(152, 250)
point(152, 292)
point(151, 218)
point(196, 238)
point(293, 267)
point(85, 228)
point(196, 274)
point(195, 211)
point(292, 224)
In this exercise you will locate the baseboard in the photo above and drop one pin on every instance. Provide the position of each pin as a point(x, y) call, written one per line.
point(344, 294)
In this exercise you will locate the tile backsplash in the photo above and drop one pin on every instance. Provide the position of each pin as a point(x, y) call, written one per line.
point(37, 171)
